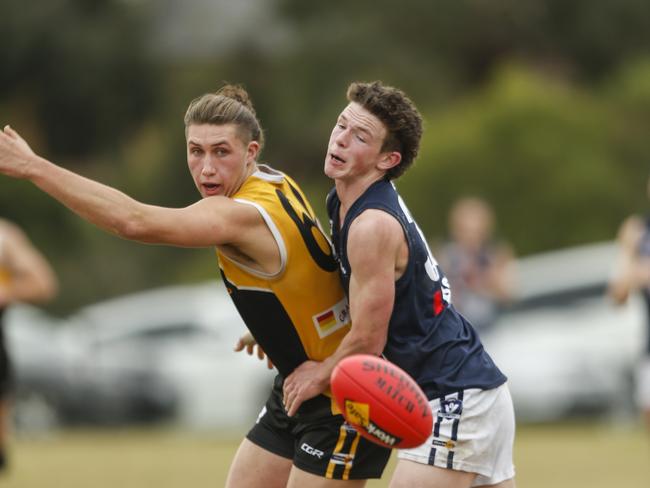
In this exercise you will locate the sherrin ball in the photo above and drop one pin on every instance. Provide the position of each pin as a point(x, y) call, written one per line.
point(381, 401)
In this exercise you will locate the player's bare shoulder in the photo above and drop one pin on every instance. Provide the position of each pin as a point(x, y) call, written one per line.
point(376, 236)
point(376, 225)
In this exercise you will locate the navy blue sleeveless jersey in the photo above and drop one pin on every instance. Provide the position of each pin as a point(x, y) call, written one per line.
point(427, 337)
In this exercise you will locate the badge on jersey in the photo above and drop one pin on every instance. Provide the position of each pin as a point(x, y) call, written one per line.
point(451, 408)
point(333, 319)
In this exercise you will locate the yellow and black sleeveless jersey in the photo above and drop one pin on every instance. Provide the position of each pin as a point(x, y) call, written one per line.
point(301, 311)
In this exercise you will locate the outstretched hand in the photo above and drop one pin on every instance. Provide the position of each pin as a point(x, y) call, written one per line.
point(248, 342)
point(14, 153)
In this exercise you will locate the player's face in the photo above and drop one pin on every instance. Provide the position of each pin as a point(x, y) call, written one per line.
point(354, 147)
point(218, 159)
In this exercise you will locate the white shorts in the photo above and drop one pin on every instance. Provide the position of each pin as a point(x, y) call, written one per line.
point(473, 431)
point(642, 393)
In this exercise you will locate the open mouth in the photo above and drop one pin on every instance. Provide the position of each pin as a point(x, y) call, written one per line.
point(336, 158)
point(211, 188)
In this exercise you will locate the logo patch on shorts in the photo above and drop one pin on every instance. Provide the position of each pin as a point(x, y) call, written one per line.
point(448, 444)
point(450, 409)
point(312, 451)
point(341, 458)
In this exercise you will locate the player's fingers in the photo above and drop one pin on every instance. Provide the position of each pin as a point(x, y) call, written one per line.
point(10, 132)
point(250, 348)
point(286, 392)
point(293, 408)
point(239, 345)
point(260, 353)
point(269, 363)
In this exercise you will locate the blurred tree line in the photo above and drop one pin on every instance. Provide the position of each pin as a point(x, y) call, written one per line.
point(541, 107)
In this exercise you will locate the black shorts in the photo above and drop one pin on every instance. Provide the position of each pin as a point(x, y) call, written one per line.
point(317, 441)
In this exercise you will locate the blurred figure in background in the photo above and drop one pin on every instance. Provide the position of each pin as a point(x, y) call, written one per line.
point(480, 269)
point(632, 273)
point(25, 276)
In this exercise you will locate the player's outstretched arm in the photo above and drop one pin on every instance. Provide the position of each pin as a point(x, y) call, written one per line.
point(373, 244)
point(211, 221)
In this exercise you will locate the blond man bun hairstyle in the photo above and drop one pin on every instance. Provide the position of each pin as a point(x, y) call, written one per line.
point(231, 104)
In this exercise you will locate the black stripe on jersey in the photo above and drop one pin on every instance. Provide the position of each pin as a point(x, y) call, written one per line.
point(436, 433)
point(297, 194)
point(307, 226)
point(271, 326)
point(436, 427)
point(454, 429)
point(454, 434)
point(432, 457)
point(450, 460)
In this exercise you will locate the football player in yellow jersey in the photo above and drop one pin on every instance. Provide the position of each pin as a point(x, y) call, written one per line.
point(25, 276)
point(278, 267)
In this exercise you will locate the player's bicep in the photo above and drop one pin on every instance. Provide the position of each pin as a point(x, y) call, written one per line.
point(372, 250)
point(209, 222)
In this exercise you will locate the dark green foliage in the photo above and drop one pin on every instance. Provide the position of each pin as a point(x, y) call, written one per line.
point(542, 107)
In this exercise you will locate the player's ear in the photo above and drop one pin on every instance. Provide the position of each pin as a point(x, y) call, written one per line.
point(252, 151)
point(389, 160)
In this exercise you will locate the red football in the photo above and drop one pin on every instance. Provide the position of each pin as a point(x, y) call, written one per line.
point(381, 401)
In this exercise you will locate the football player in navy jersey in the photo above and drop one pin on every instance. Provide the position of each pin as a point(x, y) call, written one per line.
point(400, 302)
point(632, 273)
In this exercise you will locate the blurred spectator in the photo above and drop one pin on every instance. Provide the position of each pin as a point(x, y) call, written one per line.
point(632, 273)
point(480, 269)
point(25, 276)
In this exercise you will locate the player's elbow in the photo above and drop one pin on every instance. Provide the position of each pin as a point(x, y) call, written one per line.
point(133, 227)
point(369, 343)
point(128, 229)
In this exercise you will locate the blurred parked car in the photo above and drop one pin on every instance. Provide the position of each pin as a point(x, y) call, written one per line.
point(165, 354)
point(566, 349)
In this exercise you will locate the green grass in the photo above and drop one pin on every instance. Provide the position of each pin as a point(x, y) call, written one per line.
point(557, 456)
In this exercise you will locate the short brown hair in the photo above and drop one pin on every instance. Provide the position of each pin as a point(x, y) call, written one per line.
point(231, 104)
point(400, 116)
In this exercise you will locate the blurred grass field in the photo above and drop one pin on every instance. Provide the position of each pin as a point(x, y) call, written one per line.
point(558, 456)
